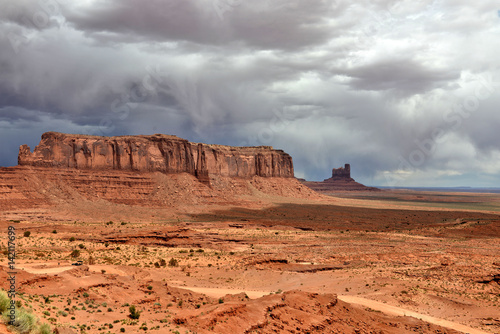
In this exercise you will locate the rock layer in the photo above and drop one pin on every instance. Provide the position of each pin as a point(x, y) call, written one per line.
point(156, 153)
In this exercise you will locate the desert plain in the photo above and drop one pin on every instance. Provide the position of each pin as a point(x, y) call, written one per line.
point(347, 263)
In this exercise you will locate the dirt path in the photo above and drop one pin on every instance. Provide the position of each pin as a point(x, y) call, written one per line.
point(388, 309)
point(393, 310)
point(218, 292)
point(55, 270)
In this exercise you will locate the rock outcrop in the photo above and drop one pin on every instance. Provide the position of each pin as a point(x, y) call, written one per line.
point(156, 153)
point(341, 180)
point(342, 173)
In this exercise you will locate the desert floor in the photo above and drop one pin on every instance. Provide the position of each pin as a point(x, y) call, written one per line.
point(391, 257)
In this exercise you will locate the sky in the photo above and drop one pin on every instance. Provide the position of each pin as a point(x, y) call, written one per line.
point(407, 91)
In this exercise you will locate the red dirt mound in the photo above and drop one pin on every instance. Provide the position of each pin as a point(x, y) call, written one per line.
point(298, 312)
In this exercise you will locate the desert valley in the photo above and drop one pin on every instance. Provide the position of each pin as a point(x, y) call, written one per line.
point(180, 237)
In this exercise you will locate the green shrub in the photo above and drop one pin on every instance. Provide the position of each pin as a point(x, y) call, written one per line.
point(4, 301)
point(134, 314)
point(72, 239)
point(75, 253)
point(173, 263)
point(25, 322)
point(44, 329)
point(27, 234)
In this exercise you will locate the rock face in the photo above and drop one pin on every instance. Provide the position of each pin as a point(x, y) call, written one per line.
point(342, 173)
point(156, 153)
point(341, 180)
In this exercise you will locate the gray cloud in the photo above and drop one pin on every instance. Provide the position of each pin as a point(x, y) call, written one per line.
point(262, 24)
point(405, 76)
point(370, 83)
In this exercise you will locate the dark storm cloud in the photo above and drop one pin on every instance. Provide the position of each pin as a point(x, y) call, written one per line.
point(15, 114)
point(261, 24)
point(330, 82)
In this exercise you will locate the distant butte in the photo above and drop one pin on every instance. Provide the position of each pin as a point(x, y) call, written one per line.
point(341, 180)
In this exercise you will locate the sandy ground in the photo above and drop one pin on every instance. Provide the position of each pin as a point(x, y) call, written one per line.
point(218, 293)
point(55, 270)
point(398, 268)
point(398, 311)
point(4, 329)
point(378, 306)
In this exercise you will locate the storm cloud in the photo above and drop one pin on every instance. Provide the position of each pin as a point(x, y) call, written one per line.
point(405, 91)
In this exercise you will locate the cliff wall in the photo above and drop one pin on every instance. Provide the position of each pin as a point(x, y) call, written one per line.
point(156, 153)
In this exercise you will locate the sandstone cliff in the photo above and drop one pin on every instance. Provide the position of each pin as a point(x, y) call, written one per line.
point(156, 153)
point(342, 173)
point(341, 180)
